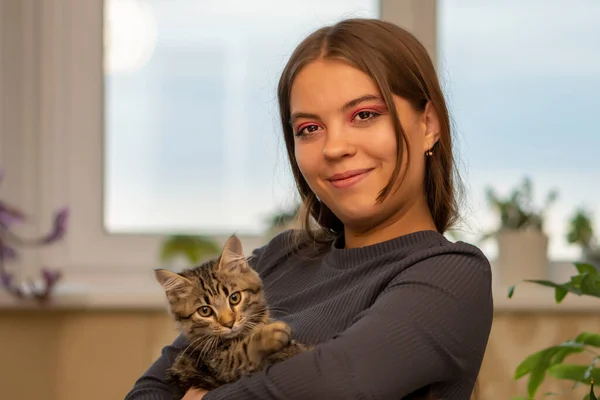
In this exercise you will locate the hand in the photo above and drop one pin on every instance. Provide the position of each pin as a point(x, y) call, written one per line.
point(194, 394)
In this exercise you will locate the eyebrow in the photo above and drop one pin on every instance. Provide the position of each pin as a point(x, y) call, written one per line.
point(345, 107)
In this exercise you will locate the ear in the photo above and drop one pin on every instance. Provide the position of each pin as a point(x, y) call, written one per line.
point(233, 254)
point(432, 127)
point(172, 282)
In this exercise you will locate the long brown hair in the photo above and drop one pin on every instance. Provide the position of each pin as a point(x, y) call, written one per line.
point(399, 65)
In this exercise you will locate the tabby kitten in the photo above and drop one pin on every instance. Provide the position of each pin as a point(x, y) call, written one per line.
point(220, 308)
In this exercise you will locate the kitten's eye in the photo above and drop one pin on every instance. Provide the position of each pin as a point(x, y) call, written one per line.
point(235, 298)
point(205, 311)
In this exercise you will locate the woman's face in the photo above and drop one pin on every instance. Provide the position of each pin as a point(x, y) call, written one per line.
point(345, 144)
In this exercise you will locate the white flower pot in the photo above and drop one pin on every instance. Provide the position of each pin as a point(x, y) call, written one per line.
point(522, 254)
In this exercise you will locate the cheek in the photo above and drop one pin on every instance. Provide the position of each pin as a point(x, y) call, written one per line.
point(197, 326)
point(308, 161)
point(380, 144)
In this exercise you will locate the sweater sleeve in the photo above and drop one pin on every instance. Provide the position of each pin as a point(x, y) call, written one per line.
point(431, 324)
point(152, 384)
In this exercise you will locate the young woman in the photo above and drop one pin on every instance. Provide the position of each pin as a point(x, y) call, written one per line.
point(396, 310)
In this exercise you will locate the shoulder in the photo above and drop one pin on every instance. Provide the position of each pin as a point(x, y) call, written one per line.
point(287, 245)
point(456, 269)
point(448, 257)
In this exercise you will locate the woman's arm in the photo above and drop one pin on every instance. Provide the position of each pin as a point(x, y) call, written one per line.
point(152, 385)
point(431, 325)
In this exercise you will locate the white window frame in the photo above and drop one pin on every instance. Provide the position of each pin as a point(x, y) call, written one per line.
point(51, 142)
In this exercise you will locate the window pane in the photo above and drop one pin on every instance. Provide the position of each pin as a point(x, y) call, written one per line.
point(193, 141)
point(523, 82)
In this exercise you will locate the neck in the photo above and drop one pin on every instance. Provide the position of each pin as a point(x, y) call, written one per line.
point(413, 218)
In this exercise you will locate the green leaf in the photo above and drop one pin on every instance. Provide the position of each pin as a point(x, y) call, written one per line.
point(561, 289)
point(560, 293)
point(545, 283)
point(546, 357)
point(538, 363)
point(588, 338)
point(529, 363)
point(590, 285)
point(586, 282)
point(584, 268)
point(573, 372)
point(535, 379)
point(564, 350)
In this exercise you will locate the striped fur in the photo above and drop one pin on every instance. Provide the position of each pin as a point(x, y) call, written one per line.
point(221, 309)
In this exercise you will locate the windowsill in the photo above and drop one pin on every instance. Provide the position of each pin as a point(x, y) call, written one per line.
point(98, 291)
point(150, 298)
point(530, 298)
point(73, 297)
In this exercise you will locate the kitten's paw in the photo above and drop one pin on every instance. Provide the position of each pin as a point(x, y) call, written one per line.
point(274, 337)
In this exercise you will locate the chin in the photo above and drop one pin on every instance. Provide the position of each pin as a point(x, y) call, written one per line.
point(357, 220)
point(351, 212)
point(232, 334)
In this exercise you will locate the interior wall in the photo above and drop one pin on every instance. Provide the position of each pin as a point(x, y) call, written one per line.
point(98, 355)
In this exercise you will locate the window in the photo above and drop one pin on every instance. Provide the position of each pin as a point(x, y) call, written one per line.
point(193, 139)
point(78, 140)
point(522, 79)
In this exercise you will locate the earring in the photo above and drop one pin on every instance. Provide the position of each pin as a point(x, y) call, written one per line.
point(429, 152)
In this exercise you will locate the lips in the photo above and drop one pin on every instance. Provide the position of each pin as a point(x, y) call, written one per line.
point(348, 178)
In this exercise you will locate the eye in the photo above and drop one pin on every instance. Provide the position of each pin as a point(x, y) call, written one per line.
point(205, 311)
point(365, 115)
point(235, 298)
point(306, 129)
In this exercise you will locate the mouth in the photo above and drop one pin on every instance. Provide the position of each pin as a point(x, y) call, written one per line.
point(233, 332)
point(348, 178)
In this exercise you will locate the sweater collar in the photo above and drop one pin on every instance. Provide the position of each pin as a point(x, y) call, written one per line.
point(339, 256)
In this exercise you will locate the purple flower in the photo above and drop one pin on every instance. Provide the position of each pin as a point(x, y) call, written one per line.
point(6, 279)
point(10, 215)
point(7, 252)
point(51, 276)
point(59, 227)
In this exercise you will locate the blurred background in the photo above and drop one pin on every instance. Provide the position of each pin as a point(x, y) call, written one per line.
point(137, 134)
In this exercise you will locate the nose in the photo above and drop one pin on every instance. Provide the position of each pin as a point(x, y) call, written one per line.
point(337, 144)
point(227, 320)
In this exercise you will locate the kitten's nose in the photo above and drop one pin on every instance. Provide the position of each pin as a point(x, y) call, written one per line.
point(228, 322)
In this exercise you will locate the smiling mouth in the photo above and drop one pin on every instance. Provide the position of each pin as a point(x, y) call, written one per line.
point(348, 178)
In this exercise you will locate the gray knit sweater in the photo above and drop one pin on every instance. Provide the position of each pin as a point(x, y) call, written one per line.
point(389, 319)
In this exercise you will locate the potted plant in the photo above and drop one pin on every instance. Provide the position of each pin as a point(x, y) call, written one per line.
point(551, 361)
point(192, 249)
point(581, 233)
point(522, 242)
point(282, 220)
point(11, 244)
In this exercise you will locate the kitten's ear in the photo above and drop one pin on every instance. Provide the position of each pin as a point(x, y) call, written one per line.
point(233, 254)
point(172, 282)
point(233, 247)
